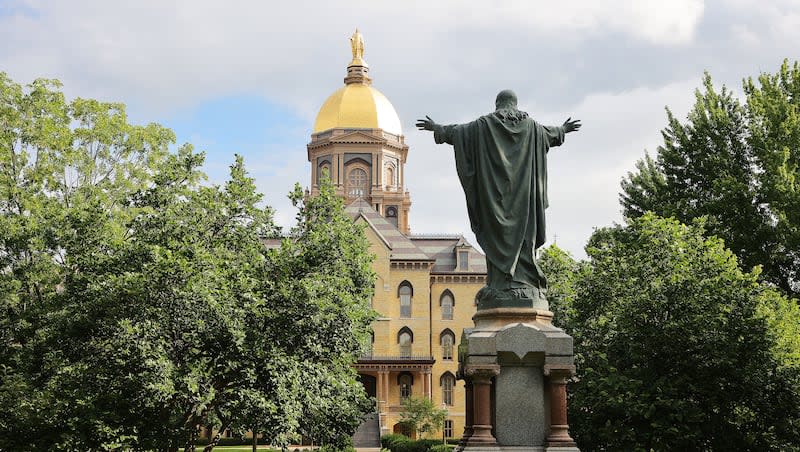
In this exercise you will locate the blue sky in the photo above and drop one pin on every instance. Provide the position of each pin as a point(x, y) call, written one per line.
point(248, 77)
point(247, 125)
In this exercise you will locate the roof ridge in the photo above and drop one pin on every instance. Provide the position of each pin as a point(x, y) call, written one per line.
point(434, 235)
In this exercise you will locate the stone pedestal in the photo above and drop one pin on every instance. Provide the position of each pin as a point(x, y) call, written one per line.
point(481, 376)
point(516, 364)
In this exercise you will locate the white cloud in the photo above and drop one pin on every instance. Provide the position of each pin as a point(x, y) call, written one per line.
point(173, 54)
point(664, 23)
point(447, 58)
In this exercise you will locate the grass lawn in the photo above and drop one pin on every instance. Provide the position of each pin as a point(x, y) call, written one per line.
point(237, 449)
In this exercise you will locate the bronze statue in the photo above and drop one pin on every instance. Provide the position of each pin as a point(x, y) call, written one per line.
point(501, 160)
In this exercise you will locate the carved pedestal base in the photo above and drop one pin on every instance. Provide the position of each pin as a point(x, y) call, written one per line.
point(516, 365)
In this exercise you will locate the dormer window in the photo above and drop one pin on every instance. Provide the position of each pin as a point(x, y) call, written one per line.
point(463, 260)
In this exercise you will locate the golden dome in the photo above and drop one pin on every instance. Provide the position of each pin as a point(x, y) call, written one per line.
point(357, 104)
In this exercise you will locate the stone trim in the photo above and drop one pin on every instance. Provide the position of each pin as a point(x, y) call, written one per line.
point(462, 278)
point(411, 265)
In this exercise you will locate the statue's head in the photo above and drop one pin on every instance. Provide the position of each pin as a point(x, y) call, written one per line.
point(506, 99)
point(506, 107)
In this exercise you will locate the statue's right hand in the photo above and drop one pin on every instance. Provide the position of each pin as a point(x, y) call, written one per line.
point(426, 124)
point(571, 126)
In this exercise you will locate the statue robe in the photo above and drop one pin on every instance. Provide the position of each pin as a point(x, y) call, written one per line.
point(502, 166)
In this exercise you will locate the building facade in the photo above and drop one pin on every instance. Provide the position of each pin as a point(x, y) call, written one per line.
point(426, 284)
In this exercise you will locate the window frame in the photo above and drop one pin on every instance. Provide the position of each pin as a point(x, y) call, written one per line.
point(363, 190)
point(447, 350)
point(463, 260)
point(325, 165)
point(405, 382)
point(448, 383)
point(406, 349)
point(447, 295)
point(405, 292)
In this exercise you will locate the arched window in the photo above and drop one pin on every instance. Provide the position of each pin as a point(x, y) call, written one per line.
point(324, 171)
point(447, 339)
point(391, 214)
point(357, 183)
point(405, 381)
point(447, 382)
point(446, 302)
point(403, 428)
point(389, 176)
point(405, 292)
point(405, 337)
point(366, 346)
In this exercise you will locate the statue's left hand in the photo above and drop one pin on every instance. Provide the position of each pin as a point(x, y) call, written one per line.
point(571, 126)
point(426, 124)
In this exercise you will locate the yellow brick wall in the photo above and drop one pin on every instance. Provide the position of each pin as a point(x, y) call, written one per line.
point(426, 323)
point(463, 310)
point(383, 293)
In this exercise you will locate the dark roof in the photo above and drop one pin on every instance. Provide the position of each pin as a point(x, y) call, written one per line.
point(439, 248)
point(401, 247)
point(443, 251)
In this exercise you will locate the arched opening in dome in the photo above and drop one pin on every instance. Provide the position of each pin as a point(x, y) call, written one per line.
point(357, 183)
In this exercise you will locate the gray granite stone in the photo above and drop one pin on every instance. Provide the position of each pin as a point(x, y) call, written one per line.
point(559, 344)
point(520, 339)
point(559, 360)
point(482, 344)
point(512, 359)
point(520, 409)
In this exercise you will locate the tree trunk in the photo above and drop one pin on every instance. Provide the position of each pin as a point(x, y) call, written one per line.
point(192, 438)
point(213, 443)
point(255, 438)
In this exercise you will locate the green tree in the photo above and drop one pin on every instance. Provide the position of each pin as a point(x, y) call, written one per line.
point(773, 103)
point(562, 272)
point(140, 304)
point(737, 165)
point(318, 288)
point(67, 172)
point(421, 415)
point(679, 348)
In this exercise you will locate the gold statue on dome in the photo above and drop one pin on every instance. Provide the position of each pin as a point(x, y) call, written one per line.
point(357, 44)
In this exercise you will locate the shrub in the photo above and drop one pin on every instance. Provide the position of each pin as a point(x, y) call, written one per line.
point(390, 441)
point(441, 448)
point(402, 443)
point(330, 448)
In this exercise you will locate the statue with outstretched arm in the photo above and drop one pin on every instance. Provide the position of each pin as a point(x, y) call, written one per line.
point(501, 161)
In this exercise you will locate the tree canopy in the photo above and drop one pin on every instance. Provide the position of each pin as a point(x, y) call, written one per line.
point(421, 415)
point(140, 303)
point(677, 348)
point(737, 164)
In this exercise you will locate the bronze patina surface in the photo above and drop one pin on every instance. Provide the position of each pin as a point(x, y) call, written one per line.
point(501, 161)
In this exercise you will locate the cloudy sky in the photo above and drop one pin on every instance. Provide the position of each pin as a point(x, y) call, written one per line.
point(248, 77)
